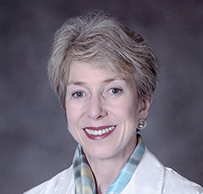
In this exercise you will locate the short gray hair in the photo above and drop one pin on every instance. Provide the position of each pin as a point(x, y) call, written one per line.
point(104, 39)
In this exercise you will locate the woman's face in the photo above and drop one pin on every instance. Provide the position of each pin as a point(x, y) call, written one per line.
point(102, 110)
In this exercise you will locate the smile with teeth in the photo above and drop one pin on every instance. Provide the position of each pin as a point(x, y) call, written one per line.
point(99, 132)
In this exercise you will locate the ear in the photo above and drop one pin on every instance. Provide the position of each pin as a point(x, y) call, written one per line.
point(144, 107)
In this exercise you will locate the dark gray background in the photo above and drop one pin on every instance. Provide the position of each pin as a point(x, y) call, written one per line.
point(34, 142)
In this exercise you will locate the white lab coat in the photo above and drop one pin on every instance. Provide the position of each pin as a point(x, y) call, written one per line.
point(150, 177)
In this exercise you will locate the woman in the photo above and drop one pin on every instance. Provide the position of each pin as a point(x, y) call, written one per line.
point(104, 75)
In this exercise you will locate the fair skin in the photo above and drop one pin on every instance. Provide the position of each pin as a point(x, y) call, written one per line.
point(102, 110)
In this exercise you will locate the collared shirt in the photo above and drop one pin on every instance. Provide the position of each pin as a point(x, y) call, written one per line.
point(150, 177)
point(84, 179)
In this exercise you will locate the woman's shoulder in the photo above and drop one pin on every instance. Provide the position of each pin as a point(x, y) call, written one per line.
point(174, 182)
point(151, 176)
point(61, 183)
point(169, 180)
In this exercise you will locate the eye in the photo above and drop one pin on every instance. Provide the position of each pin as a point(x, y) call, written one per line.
point(78, 94)
point(114, 91)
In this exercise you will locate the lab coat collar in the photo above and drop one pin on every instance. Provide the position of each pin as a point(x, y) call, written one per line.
point(148, 177)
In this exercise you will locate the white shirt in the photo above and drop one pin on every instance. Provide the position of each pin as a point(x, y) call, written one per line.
point(150, 177)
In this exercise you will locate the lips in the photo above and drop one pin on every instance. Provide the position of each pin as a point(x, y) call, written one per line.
point(97, 133)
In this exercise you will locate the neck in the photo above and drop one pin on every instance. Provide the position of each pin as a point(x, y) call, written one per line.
point(106, 170)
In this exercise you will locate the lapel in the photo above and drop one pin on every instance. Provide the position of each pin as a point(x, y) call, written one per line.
point(148, 177)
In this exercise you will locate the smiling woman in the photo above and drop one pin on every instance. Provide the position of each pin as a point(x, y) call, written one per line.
point(104, 75)
point(107, 111)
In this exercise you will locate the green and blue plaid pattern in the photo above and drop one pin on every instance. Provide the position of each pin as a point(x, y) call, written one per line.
point(84, 179)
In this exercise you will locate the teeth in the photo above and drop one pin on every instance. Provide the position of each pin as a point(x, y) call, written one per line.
point(99, 132)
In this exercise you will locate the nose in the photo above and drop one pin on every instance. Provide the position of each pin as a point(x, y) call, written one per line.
point(96, 109)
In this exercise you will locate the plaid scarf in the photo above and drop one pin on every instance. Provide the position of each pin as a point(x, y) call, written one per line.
point(84, 179)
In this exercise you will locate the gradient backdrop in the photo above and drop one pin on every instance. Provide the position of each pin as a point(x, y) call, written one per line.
point(34, 142)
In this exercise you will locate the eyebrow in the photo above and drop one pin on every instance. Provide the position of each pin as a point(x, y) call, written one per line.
point(77, 83)
point(80, 83)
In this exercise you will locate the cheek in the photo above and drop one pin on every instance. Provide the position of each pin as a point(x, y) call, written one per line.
point(74, 112)
point(129, 114)
point(128, 108)
point(70, 114)
point(72, 120)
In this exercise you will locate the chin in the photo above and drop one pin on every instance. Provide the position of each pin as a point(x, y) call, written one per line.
point(101, 153)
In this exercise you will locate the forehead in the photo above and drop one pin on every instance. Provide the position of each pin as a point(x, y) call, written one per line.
point(98, 69)
point(82, 73)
